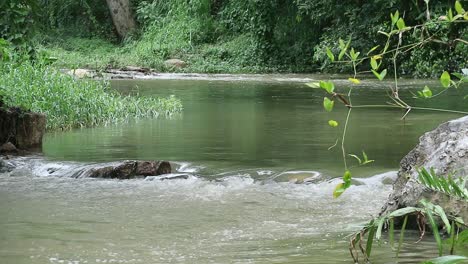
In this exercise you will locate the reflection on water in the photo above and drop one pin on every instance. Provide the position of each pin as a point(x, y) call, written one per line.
point(259, 189)
point(238, 125)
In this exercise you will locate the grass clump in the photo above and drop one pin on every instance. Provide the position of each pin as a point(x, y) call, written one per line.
point(70, 103)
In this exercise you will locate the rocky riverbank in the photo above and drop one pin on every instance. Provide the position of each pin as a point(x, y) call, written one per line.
point(445, 150)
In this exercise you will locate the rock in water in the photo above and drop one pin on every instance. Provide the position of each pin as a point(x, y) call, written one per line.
point(175, 63)
point(130, 169)
point(81, 73)
point(22, 128)
point(445, 149)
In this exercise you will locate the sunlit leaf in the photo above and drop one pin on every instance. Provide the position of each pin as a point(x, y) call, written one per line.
point(395, 17)
point(356, 157)
point(344, 48)
point(374, 63)
point(327, 86)
point(401, 24)
point(366, 159)
point(330, 55)
point(332, 123)
point(450, 15)
point(445, 79)
point(371, 50)
point(328, 104)
point(426, 92)
point(380, 75)
point(354, 80)
point(313, 84)
point(354, 55)
point(339, 190)
point(459, 8)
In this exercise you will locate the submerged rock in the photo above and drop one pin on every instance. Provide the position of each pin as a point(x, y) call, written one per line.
point(130, 169)
point(23, 129)
point(445, 149)
point(6, 166)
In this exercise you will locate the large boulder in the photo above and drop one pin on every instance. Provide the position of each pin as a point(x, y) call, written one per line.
point(445, 149)
point(23, 129)
point(129, 169)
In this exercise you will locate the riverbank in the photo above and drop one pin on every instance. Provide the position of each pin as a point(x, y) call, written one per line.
point(70, 103)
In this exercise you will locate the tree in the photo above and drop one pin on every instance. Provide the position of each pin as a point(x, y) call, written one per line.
point(122, 16)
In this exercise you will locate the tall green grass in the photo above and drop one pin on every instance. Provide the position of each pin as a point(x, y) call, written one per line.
point(70, 103)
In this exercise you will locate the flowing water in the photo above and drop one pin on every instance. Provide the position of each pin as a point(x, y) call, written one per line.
point(245, 144)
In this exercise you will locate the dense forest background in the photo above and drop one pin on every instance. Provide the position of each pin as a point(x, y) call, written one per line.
point(229, 35)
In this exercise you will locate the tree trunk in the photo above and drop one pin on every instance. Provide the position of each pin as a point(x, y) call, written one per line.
point(122, 16)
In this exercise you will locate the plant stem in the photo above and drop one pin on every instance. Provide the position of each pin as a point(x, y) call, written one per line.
point(412, 107)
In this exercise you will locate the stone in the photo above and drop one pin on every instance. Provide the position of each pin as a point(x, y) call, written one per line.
point(129, 169)
point(6, 166)
point(8, 148)
point(136, 69)
point(81, 73)
point(23, 129)
point(445, 149)
point(175, 63)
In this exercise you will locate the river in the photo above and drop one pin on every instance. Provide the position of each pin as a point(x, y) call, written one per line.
point(243, 143)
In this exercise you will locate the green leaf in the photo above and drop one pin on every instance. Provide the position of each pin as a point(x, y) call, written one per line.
point(403, 211)
point(313, 84)
point(426, 92)
point(370, 240)
point(443, 216)
point(344, 48)
point(347, 179)
point(401, 24)
point(450, 15)
point(395, 17)
point(445, 79)
point(332, 123)
point(339, 190)
point(330, 55)
point(402, 235)
point(459, 8)
point(366, 159)
point(327, 86)
point(356, 157)
point(391, 232)
point(371, 50)
point(354, 55)
point(435, 230)
point(451, 259)
point(374, 64)
point(378, 234)
point(381, 75)
point(328, 104)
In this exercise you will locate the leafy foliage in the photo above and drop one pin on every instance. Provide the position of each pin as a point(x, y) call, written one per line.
point(449, 186)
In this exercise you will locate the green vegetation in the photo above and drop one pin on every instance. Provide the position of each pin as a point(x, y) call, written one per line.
point(68, 102)
point(71, 103)
point(381, 60)
point(238, 36)
point(454, 226)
